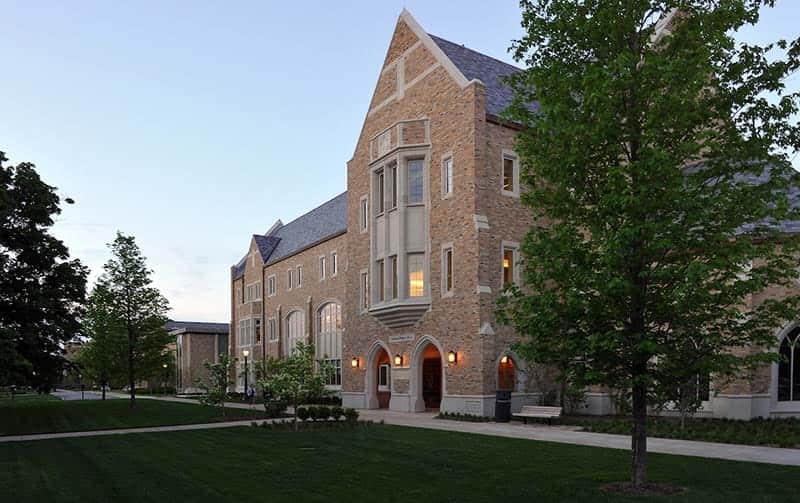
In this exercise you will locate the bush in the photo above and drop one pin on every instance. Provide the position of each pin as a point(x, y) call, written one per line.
point(351, 415)
point(323, 412)
point(337, 412)
point(303, 413)
point(274, 408)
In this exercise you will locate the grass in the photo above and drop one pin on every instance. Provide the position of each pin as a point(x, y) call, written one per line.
point(380, 463)
point(20, 417)
point(28, 398)
point(783, 432)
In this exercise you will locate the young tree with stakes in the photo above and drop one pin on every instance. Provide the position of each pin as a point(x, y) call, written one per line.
point(658, 172)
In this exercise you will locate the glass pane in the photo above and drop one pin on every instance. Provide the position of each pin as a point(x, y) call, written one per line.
point(508, 174)
point(784, 371)
point(508, 266)
point(416, 275)
point(415, 181)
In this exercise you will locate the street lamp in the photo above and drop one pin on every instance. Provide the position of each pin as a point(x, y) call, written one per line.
point(245, 353)
point(80, 380)
point(165, 378)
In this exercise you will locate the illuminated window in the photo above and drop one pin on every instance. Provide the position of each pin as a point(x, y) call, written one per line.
point(416, 274)
point(509, 265)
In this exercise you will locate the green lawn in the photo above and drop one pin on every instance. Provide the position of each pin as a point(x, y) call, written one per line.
point(43, 416)
point(381, 463)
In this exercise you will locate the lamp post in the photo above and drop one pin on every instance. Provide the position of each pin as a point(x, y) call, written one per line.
point(165, 378)
point(80, 381)
point(245, 353)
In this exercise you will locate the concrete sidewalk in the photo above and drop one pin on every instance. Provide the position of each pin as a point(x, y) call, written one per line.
point(123, 431)
point(568, 435)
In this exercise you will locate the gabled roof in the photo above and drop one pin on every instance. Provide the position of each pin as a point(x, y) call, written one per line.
point(266, 245)
point(476, 66)
point(197, 327)
point(321, 223)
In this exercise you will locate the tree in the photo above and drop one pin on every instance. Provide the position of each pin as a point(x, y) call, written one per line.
point(296, 378)
point(102, 358)
point(658, 172)
point(42, 290)
point(215, 385)
point(137, 308)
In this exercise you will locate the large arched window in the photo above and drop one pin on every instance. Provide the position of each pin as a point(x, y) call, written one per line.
point(329, 340)
point(789, 367)
point(295, 332)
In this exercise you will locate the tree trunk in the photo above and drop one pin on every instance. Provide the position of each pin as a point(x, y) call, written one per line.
point(639, 438)
point(131, 379)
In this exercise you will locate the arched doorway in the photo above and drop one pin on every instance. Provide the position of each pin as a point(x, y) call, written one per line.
point(431, 377)
point(506, 374)
point(383, 379)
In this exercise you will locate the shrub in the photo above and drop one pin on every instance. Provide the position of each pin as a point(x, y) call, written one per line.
point(351, 415)
point(337, 412)
point(323, 412)
point(303, 413)
point(274, 408)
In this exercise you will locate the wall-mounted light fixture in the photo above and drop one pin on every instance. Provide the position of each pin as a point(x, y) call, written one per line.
point(354, 362)
point(504, 359)
point(452, 357)
point(398, 360)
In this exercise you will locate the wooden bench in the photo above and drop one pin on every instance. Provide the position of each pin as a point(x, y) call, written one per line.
point(538, 412)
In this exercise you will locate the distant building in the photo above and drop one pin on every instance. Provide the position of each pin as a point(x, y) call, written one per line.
point(195, 343)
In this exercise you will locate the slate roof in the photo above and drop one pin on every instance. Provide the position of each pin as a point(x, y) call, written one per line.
point(488, 70)
point(198, 327)
point(323, 222)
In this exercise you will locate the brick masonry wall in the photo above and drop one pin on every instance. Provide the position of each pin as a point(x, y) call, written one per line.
point(452, 321)
point(311, 295)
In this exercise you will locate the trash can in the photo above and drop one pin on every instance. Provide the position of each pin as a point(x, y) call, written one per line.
point(502, 407)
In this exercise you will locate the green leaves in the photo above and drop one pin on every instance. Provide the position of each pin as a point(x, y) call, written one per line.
point(659, 171)
point(42, 290)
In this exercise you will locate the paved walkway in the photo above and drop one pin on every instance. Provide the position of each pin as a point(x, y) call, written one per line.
point(66, 394)
point(560, 434)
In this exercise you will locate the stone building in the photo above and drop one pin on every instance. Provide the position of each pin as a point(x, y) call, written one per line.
point(396, 280)
point(195, 343)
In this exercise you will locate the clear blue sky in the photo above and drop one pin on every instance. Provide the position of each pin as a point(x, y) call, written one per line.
point(193, 125)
